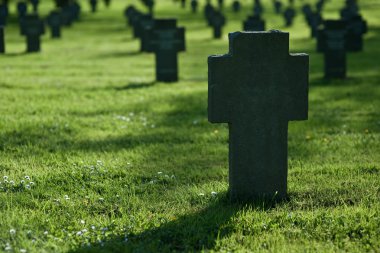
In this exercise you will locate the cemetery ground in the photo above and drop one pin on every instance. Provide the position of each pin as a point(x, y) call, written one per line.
point(120, 163)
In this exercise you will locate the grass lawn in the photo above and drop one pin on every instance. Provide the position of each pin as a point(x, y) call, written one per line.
point(120, 163)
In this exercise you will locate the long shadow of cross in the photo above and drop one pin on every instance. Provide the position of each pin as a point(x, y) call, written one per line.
point(189, 233)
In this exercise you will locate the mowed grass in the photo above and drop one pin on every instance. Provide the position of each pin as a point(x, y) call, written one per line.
point(120, 163)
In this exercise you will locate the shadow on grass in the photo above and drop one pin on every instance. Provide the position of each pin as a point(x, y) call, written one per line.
point(189, 233)
point(133, 86)
point(119, 54)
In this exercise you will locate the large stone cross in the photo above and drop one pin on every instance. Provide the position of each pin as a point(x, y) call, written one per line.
point(32, 27)
point(257, 88)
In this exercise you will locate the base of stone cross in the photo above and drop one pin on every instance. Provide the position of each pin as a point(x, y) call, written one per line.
point(56, 32)
point(2, 42)
point(166, 67)
point(33, 44)
point(335, 64)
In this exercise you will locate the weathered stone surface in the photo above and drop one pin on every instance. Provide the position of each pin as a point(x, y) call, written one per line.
point(236, 6)
point(166, 40)
point(257, 88)
point(22, 9)
point(32, 27)
point(332, 42)
point(94, 5)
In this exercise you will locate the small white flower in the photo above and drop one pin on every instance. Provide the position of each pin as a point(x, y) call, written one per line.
point(82, 222)
point(201, 194)
point(12, 231)
point(23, 251)
point(27, 186)
point(46, 233)
point(8, 248)
point(5, 177)
point(93, 227)
point(31, 183)
point(66, 197)
point(12, 182)
point(101, 199)
point(159, 173)
point(27, 177)
point(22, 181)
point(79, 233)
point(214, 193)
point(84, 230)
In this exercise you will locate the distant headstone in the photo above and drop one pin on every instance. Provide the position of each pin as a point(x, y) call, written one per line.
point(2, 41)
point(315, 20)
point(166, 40)
point(35, 4)
point(217, 22)
point(209, 12)
point(107, 3)
point(22, 9)
point(257, 88)
point(220, 4)
point(307, 11)
point(257, 8)
point(93, 4)
point(149, 4)
point(289, 15)
point(277, 6)
point(54, 22)
point(3, 14)
point(183, 4)
point(236, 6)
point(130, 14)
point(319, 5)
point(356, 28)
point(254, 23)
point(32, 27)
point(194, 6)
point(331, 41)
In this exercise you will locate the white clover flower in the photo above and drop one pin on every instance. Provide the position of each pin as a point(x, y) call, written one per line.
point(214, 193)
point(46, 233)
point(12, 182)
point(12, 231)
point(101, 199)
point(23, 251)
point(93, 227)
point(31, 183)
point(27, 186)
point(82, 222)
point(201, 194)
point(79, 233)
point(66, 197)
point(22, 181)
point(159, 173)
point(27, 177)
point(5, 177)
point(84, 230)
point(8, 248)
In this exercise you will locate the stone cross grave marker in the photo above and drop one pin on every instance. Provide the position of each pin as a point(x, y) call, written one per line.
point(254, 23)
point(257, 8)
point(289, 15)
point(32, 27)
point(166, 40)
point(236, 6)
point(277, 6)
point(3, 19)
point(356, 28)
point(350, 10)
point(183, 4)
point(209, 12)
point(93, 5)
point(257, 88)
point(220, 4)
point(22, 9)
point(331, 41)
point(54, 22)
point(35, 4)
point(217, 22)
point(194, 5)
point(314, 20)
point(130, 13)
